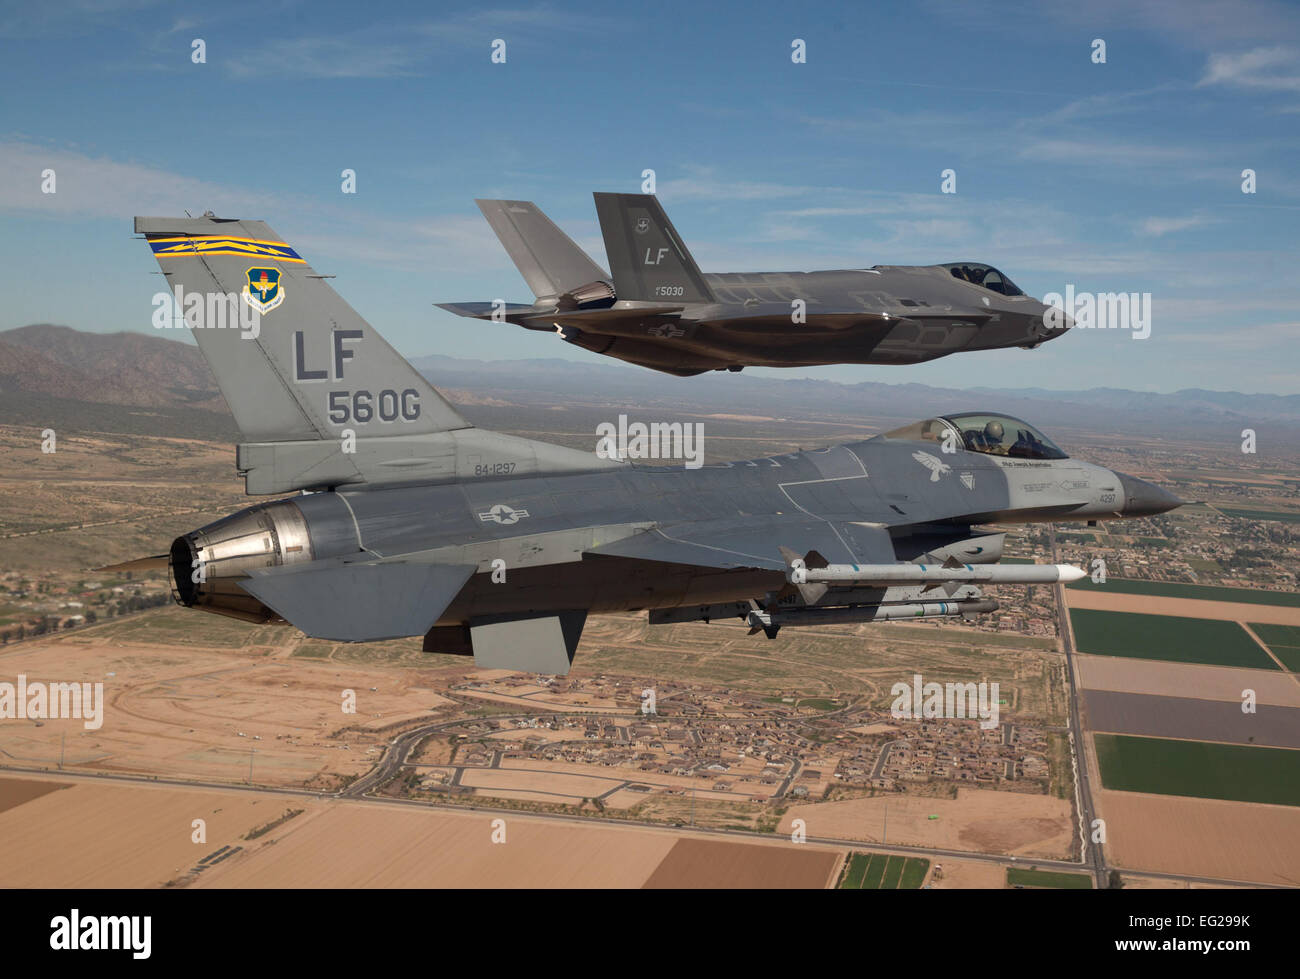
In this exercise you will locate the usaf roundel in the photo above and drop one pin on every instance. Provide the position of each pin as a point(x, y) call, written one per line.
point(263, 291)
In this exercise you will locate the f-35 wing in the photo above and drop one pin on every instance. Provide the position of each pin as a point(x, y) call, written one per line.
point(520, 314)
point(616, 322)
point(671, 322)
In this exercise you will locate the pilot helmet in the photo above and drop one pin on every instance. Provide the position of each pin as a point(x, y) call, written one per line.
point(993, 431)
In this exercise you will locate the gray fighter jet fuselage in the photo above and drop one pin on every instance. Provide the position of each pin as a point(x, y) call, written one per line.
point(412, 522)
point(659, 310)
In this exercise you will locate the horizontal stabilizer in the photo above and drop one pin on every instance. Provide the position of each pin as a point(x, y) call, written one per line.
point(484, 311)
point(360, 602)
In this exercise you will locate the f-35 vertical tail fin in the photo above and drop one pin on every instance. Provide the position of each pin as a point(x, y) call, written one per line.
point(649, 261)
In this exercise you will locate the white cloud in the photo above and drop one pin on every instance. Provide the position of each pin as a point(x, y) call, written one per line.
point(703, 183)
point(1106, 152)
point(1269, 68)
point(89, 186)
point(1156, 226)
point(390, 51)
point(97, 187)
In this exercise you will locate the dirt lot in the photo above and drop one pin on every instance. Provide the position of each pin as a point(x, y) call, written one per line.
point(180, 711)
point(1232, 840)
point(978, 819)
point(968, 874)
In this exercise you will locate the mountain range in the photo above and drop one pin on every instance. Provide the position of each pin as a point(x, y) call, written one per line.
point(45, 368)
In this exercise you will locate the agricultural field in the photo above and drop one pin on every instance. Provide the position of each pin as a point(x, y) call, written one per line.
point(713, 863)
point(1203, 769)
point(1282, 640)
point(1285, 516)
point(1203, 837)
point(879, 871)
point(1166, 637)
point(1177, 589)
point(1027, 877)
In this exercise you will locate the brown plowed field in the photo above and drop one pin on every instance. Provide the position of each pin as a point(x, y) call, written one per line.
point(1214, 838)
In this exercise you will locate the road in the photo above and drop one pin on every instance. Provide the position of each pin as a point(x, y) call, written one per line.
point(914, 851)
point(1091, 853)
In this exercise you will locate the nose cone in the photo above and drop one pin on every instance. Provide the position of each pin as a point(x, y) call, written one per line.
point(1053, 321)
point(1143, 499)
point(1046, 324)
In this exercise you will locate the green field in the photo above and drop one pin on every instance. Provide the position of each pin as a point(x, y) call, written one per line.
point(878, 871)
point(1286, 516)
point(1178, 589)
point(1047, 878)
point(1166, 637)
point(1283, 640)
point(1206, 770)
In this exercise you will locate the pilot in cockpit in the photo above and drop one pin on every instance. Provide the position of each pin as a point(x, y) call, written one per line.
point(988, 439)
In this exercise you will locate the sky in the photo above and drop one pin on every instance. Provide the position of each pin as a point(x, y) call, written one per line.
point(1122, 176)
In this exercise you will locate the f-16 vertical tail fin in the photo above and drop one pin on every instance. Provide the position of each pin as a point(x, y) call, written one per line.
point(294, 361)
point(552, 265)
point(649, 261)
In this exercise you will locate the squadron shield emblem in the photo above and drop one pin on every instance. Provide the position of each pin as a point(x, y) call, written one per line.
point(263, 291)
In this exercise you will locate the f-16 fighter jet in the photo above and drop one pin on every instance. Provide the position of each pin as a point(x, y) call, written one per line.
point(409, 521)
point(659, 310)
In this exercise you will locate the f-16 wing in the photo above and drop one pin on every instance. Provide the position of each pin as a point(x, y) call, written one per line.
point(749, 542)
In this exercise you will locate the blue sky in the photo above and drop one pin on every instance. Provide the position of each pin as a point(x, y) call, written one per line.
point(1123, 176)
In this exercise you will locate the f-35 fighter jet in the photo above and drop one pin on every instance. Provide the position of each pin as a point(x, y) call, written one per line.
point(659, 310)
point(409, 521)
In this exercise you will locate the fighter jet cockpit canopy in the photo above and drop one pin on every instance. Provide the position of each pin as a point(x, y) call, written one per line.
point(978, 431)
point(984, 275)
